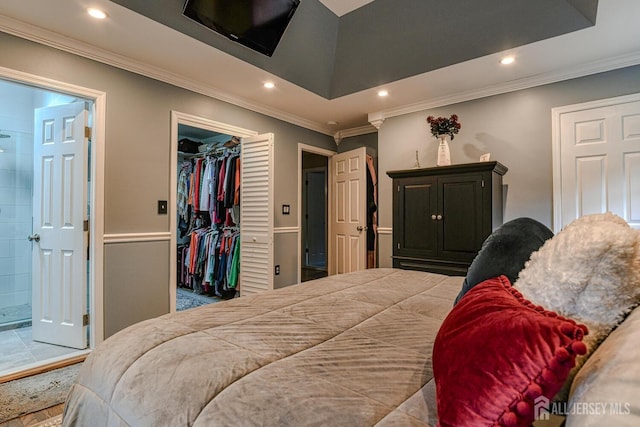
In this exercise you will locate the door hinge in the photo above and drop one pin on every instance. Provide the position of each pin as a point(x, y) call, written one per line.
point(87, 132)
point(85, 225)
point(85, 319)
point(483, 183)
point(398, 245)
point(398, 188)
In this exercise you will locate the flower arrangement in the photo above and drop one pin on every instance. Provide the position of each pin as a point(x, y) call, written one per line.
point(444, 126)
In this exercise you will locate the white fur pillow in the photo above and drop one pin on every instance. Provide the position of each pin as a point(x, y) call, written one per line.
point(588, 272)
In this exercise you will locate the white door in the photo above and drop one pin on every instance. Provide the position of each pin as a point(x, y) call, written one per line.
point(256, 214)
point(349, 220)
point(599, 160)
point(59, 210)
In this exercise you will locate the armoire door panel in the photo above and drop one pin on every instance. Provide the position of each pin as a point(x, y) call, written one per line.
point(461, 202)
point(416, 214)
point(416, 205)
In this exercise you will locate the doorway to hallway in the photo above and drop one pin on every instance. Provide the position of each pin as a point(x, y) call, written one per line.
point(314, 216)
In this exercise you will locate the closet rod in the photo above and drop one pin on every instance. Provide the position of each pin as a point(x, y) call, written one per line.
point(212, 152)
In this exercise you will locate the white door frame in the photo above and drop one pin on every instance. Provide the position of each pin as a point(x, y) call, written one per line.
point(556, 157)
point(327, 153)
point(178, 118)
point(96, 226)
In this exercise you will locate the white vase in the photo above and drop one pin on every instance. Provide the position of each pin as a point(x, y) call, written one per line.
point(444, 158)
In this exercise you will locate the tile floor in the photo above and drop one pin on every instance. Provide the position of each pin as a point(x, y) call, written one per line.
point(17, 350)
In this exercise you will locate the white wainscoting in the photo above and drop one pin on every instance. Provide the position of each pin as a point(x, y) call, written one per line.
point(136, 237)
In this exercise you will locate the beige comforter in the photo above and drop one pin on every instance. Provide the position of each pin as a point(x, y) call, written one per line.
point(346, 350)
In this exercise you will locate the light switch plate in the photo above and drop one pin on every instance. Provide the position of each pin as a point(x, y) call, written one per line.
point(162, 207)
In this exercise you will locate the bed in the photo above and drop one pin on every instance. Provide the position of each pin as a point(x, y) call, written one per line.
point(345, 350)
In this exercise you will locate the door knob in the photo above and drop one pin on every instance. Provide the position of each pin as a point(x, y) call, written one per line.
point(439, 217)
point(433, 217)
point(34, 238)
point(359, 228)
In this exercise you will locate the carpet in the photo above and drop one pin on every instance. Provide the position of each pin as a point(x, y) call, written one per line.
point(35, 393)
point(186, 299)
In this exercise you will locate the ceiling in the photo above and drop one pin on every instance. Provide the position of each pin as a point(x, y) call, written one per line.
point(342, 7)
point(384, 41)
point(551, 48)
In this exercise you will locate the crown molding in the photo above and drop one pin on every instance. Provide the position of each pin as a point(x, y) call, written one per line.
point(76, 47)
point(58, 41)
point(346, 133)
point(582, 70)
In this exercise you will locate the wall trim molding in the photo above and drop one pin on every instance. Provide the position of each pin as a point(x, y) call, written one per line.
point(357, 131)
point(582, 70)
point(76, 47)
point(285, 230)
point(159, 236)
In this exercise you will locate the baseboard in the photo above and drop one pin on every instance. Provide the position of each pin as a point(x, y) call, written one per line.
point(43, 369)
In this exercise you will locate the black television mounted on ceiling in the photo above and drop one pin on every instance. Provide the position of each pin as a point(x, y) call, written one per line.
point(257, 24)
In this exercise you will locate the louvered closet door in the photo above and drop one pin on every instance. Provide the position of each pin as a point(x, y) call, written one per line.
point(256, 215)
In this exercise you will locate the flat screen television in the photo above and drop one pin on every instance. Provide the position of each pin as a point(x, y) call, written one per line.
point(257, 24)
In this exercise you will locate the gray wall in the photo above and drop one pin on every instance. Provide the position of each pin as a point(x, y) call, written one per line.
point(369, 140)
point(137, 174)
point(126, 299)
point(514, 127)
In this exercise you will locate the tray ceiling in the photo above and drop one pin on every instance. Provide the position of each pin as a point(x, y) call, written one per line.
point(387, 40)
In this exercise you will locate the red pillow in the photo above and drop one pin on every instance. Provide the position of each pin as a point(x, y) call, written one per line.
point(496, 352)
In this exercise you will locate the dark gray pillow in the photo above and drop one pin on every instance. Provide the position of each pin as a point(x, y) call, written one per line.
point(505, 251)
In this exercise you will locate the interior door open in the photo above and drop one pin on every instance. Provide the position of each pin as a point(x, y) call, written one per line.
point(256, 215)
point(59, 239)
point(349, 216)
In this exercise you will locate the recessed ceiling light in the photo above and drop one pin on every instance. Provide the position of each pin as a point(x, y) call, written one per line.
point(383, 93)
point(269, 85)
point(96, 13)
point(507, 60)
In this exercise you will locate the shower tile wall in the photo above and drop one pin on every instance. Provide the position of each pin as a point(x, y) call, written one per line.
point(16, 172)
point(17, 103)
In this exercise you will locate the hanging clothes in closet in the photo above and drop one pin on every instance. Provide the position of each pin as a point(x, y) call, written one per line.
point(372, 212)
point(208, 229)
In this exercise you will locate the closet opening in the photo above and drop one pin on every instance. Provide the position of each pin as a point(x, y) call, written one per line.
point(314, 216)
point(208, 216)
